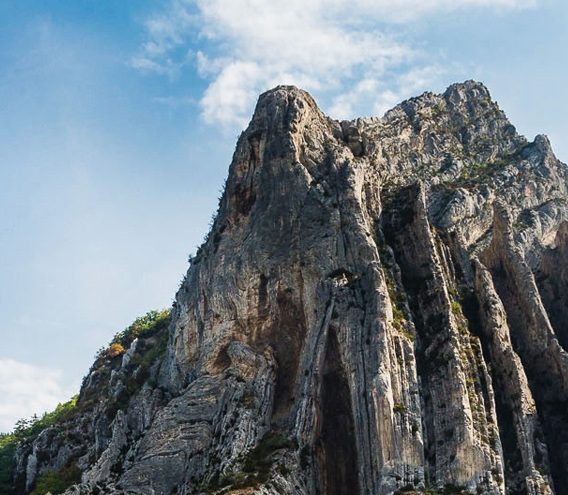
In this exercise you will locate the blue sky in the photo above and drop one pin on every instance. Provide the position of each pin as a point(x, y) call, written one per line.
point(118, 120)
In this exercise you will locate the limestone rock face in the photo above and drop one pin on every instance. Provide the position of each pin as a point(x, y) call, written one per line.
point(380, 307)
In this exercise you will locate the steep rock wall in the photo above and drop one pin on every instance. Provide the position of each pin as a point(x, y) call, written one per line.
point(377, 308)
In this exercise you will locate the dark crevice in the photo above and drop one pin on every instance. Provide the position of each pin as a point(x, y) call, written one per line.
point(512, 455)
point(513, 461)
point(544, 382)
point(245, 198)
point(244, 190)
point(336, 447)
point(418, 282)
point(286, 335)
point(552, 282)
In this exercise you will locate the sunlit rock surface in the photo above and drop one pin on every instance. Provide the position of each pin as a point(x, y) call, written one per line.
point(380, 307)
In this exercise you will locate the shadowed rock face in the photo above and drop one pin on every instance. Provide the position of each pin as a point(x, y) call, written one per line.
point(380, 306)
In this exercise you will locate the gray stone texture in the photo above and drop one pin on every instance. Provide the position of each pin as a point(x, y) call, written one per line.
point(380, 305)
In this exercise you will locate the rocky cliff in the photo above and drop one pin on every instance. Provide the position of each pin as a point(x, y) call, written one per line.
point(380, 306)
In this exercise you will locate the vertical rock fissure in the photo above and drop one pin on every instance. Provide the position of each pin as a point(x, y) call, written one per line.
point(519, 428)
point(446, 346)
point(512, 454)
point(550, 401)
point(554, 297)
point(551, 278)
point(506, 421)
point(398, 216)
point(287, 336)
point(336, 446)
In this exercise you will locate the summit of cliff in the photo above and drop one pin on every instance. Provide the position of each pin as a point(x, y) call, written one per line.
point(379, 307)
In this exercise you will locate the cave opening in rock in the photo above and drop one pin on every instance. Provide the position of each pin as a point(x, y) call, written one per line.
point(336, 446)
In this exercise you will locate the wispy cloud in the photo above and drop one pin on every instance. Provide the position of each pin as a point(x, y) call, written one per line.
point(374, 93)
point(167, 32)
point(24, 388)
point(175, 102)
point(343, 48)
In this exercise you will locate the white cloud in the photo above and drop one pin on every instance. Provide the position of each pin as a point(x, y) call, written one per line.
point(338, 47)
point(166, 32)
point(26, 390)
point(373, 94)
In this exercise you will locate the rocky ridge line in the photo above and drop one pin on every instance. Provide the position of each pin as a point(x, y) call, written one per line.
point(377, 309)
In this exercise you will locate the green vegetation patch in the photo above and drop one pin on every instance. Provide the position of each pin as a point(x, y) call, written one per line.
point(145, 326)
point(151, 329)
point(457, 309)
point(56, 482)
point(477, 173)
point(256, 466)
point(260, 459)
point(8, 444)
point(27, 430)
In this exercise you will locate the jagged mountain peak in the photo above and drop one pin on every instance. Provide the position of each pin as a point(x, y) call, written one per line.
point(282, 95)
point(379, 308)
point(467, 90)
